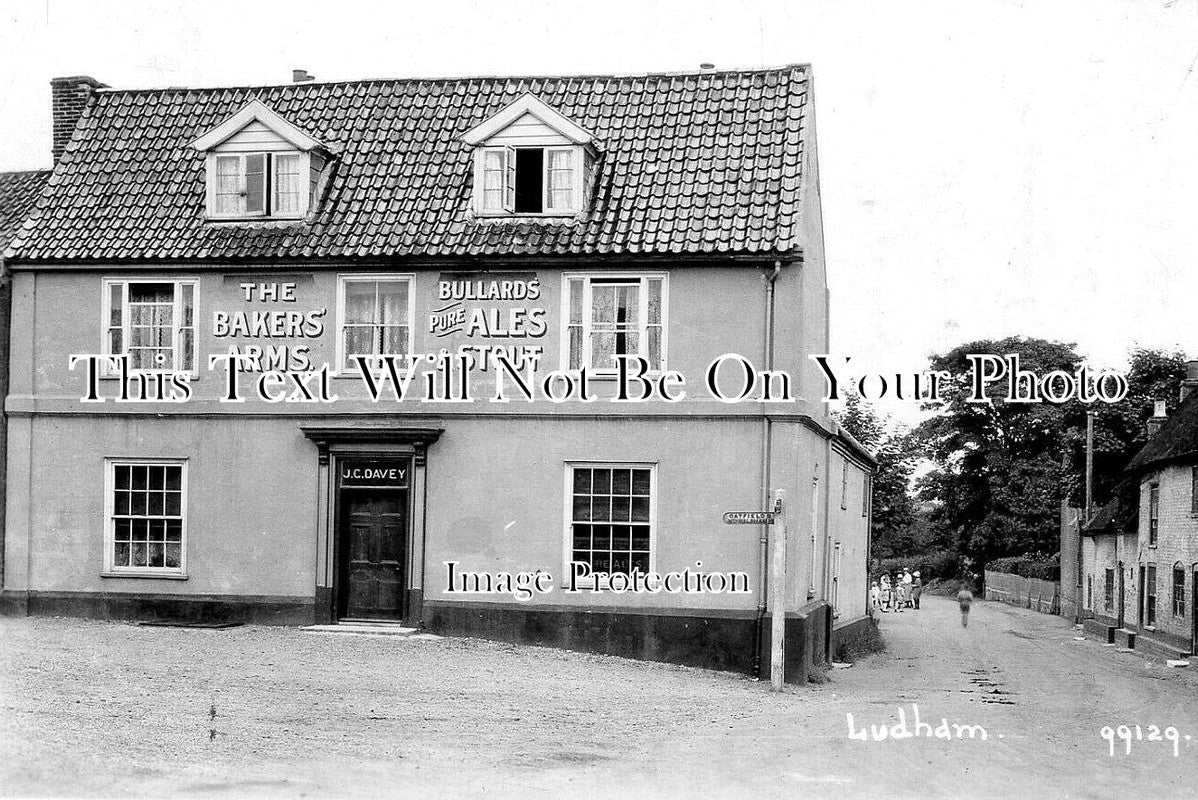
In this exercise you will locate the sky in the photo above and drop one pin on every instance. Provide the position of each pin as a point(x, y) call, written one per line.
point(987, 168)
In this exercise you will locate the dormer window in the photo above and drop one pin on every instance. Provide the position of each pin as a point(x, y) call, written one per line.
point(529, 160)
point(530, 180)
point(259, 185)
point(259, 166)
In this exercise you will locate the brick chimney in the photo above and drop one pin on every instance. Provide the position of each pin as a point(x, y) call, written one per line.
point(1157, 419)
point(1191, 381)
point(69, 97)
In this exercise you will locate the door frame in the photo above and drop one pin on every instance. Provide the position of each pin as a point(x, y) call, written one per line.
point(1194, 608)
point(366, 438)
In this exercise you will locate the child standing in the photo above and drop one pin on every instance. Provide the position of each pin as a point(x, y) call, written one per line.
point(964, 600)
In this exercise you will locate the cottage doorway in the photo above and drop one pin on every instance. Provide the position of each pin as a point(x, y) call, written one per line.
point(1140, 600)
point(372, 539)
point(1194, 610)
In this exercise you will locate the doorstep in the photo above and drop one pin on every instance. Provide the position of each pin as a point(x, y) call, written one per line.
point(363, 628)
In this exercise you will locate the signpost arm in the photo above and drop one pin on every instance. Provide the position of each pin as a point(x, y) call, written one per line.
point(777, 593)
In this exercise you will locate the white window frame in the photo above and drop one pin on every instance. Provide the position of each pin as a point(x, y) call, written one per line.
point(643, 351)
point(106, 315)
point(837, 552)
point(341, 368)
point(568, 511)
point(269, 185)
point(578, 179)
point(110, 569)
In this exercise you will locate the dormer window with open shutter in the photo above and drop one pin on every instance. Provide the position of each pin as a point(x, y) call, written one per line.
point(260, 167)
point(529, 160)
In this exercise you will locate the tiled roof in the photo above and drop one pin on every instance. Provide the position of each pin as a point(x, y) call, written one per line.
point(1177, 440)
point(704, 163)
point(18, 190)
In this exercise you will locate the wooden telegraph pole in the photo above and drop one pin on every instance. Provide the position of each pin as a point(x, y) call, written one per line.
point(777, 594)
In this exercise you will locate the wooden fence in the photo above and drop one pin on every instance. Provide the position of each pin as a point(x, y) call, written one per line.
point(1033, 593)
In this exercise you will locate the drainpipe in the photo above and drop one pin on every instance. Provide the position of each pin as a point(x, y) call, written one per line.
point(770, 274)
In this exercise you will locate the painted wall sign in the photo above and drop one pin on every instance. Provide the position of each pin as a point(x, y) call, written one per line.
point(472, 310)
point(391, 474)
point(749, 517)
point(270, 324)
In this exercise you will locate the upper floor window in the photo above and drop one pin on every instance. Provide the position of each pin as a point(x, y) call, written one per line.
point(259, 166)
point(529, 160)
point(1194, 490)
point(1154, 508)
point(259, 185)
point(613, 316)
point(374, 318)
point(152, 322)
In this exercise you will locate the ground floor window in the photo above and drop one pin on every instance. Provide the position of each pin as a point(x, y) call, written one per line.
point(145, 509)
point(1150, 597)
point(1179, 591)
point(1089, 591)
point(611, 516)
point(1108, 590)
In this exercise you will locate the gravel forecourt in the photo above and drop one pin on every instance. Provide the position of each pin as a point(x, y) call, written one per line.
point(114, 709)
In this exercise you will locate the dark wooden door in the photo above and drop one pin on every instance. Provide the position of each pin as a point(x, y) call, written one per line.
point(1140, 604)
point(373, 538)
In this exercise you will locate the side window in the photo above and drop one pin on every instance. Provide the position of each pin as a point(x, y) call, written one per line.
point(152, 322)
point(374, 318)
point(1154, 507)
point(609, 316)
point(610, 516)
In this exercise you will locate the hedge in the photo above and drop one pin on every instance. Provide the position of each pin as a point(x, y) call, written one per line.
point(1046, 568)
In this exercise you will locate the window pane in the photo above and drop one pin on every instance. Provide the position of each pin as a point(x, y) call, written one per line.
point(121, 554)
point(621, 537)
point(602, 481)
point(627, 305)
point(576, 292)
point(601, 536)
point(393, 302)
point(288, 186)
point(575, 347)
point(620, 509)
point(173, 555)
point(582, 507)
point(255, 183)
point(640, 509)
point(603, 347)
point(358, 341)
point(394, 340)
point(582, 481)
point(187, 304)
point(359, 302)
point(582, 537)
point(621, 481)
point(654, 301)
point(653, 354)
point(640, 481)
point(116, 301)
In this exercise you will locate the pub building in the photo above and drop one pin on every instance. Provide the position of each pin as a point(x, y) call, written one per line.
point(257, 335)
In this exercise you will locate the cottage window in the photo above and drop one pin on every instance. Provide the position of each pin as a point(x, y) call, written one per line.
point(1150, 596)
point(146, 504)
point(255, 185)
point(1108, 590)
point(1194, 490)
point(844, 484)
point(611, 516)
point(375, 314)
point(530, 180)
point(614, 316)
point(1179, 590)
point(836, 551)
point(152, 322)
point(1154, 504)
point(1089, 591)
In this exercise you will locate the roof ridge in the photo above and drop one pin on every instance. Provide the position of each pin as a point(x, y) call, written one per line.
point(793, 67)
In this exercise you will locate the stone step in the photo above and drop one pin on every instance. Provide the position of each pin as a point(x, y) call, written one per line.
point(363, 629)
point(1125, 638)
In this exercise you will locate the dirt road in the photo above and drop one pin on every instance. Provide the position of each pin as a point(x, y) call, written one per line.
point(91, 708)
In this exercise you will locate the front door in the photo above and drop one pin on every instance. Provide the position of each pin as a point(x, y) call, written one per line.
point(1140, 601)
point(373, 533)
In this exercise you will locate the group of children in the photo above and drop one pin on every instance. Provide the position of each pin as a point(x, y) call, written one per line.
point(898, 593)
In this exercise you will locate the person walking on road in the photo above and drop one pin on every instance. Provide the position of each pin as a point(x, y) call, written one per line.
point(916, 588)
point(875, 598)
point(885, 593)
point(964, 600)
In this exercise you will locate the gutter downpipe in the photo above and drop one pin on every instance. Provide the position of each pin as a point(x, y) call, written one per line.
point(770, 274)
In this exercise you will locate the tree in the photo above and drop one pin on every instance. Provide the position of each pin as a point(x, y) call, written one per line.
point(892, 508)
point(996, 484)
point(1119, 428)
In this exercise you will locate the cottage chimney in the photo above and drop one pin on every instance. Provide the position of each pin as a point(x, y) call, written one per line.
point(68, 97)
point(1157, 419)
point(1191, 381)
point(301, 76)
